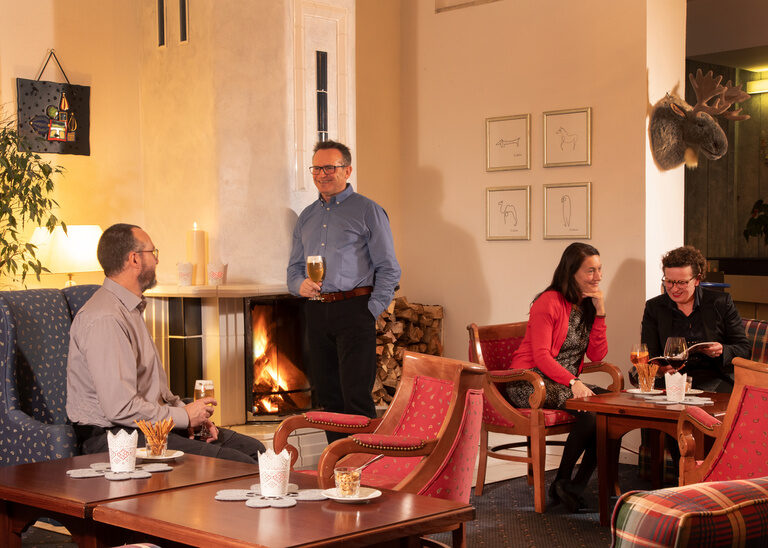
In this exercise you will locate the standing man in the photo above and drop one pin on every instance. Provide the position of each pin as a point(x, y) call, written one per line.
point(353, 234)
point(114, 375)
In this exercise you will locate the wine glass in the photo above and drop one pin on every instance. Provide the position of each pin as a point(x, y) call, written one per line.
point(316, 271)
point(203, 389)
point(676, 351)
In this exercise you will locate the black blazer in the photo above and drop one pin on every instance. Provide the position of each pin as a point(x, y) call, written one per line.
point(721, 322)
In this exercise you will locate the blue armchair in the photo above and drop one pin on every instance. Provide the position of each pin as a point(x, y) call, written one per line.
point(34, 341)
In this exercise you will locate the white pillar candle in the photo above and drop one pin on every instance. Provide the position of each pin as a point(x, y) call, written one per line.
point(196, 254)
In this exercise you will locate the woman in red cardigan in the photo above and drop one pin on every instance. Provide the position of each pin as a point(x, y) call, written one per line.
point(566, 321)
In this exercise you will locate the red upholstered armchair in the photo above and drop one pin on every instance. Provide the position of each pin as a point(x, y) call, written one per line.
point(428, 436)
point(493, 346)
point(740, 449)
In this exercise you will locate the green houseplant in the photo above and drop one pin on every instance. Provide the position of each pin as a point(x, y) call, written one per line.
point(757, 225)
point(26, 186)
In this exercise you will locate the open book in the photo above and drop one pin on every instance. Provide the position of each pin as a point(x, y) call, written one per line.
point(677, 361)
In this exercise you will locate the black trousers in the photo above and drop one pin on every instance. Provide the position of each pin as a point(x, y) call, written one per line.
point(581, 439)
point(341, 352)
point(230, 445)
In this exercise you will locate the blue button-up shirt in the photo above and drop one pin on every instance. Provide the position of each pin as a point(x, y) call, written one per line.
point(352, 232)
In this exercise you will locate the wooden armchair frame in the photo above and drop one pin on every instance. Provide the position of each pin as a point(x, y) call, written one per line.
point(535, 423)
point(751, 381)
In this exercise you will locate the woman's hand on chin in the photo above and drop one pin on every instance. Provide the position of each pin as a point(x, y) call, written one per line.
point(597, 300)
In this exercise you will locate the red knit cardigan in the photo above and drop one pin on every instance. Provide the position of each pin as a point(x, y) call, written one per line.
point(545, 334)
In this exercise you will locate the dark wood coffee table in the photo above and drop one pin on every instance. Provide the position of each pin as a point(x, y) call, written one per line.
point(30, 491)
point(192, 516)
point(620, 412)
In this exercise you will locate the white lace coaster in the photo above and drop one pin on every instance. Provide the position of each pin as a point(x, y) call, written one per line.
point(273, 502)
point(117, 476)
point(234, 494)
point(84, 473)
point(155, 467)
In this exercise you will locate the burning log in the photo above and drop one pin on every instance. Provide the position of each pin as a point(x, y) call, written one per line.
point(402, 326)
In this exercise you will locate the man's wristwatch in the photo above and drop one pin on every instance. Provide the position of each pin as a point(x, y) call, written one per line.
point(572, 381)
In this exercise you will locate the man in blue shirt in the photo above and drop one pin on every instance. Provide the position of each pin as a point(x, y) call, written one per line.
point(352, 233)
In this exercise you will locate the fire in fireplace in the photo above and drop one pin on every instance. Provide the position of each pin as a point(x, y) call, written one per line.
point(276, 378)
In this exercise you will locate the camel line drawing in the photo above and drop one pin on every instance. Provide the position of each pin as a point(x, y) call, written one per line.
point(501, 143)
point(507, 210)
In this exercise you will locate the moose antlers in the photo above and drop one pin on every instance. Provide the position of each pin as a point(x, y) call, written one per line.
point(706, 87)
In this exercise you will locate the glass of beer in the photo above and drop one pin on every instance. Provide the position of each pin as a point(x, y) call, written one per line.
point(203, 389)
point(316, 271)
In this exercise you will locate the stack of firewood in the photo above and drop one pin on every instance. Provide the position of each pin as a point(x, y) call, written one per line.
point(403, 326)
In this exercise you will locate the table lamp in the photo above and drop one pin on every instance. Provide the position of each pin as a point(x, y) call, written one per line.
point(68, 253)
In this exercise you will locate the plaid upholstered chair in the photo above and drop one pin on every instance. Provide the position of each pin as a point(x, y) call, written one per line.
point(34, 341)
point(740, 450)
point(493, 346)
point(428, 436)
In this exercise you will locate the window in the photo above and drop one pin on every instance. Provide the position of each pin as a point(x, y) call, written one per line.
point(321, 65)
point(183, 20)
point(160, 22)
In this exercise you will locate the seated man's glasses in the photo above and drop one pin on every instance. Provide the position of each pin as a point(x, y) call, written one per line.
point(155, 252)
point(669, 284)
point(328, 170)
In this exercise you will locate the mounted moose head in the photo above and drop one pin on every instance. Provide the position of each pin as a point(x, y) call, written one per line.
point(679, 132)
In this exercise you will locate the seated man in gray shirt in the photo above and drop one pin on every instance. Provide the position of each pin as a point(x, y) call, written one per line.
point(114, 375)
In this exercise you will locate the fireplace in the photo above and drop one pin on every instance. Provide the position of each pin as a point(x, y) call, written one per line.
point(277, 382)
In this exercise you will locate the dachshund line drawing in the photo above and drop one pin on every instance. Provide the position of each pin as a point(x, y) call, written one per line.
point(501, 143)
point(508, 210)
point(565, 202)
point(567, 139)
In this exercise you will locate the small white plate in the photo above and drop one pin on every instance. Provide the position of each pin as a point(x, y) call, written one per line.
point(170, 454)
point(649, 393)
point(366, 494)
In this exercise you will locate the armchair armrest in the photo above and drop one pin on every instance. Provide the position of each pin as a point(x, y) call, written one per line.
point(693, 417)
point(617, 384)
point(539, 394)
point(333, 422)
point(372, 444)
point(38, 441)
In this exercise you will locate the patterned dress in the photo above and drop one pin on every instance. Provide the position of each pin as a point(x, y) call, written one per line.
point(570, 356)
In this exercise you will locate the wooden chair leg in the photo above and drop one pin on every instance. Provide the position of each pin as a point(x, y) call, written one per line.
point(530, 474)
point(482, 462)
point(538, 455)
point(459, 536)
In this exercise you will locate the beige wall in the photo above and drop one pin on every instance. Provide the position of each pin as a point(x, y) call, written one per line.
point(97, 44)
point(504, 58)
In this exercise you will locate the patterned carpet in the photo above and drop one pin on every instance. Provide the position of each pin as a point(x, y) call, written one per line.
point(506, 518)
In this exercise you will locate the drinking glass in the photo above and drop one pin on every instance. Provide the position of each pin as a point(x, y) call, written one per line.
point(639, 354)
point(203, 389)
point(676, 351)
point(639, 358)
point(316, 271)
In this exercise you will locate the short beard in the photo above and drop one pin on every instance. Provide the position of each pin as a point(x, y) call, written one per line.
point(147, 280)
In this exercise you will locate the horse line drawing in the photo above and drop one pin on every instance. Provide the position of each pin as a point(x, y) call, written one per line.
point(567, 138)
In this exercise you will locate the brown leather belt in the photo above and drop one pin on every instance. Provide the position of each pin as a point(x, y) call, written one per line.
point(342, 295)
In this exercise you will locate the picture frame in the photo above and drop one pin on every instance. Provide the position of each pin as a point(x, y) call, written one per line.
point(568, 137)
point(508, 213)
point(508, 142)
point(568, 211)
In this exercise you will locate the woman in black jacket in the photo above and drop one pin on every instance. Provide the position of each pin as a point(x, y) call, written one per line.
point(700, 315)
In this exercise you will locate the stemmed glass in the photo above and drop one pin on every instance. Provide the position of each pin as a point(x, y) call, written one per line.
point(203, 389)
point(316, 272)
point(676, 351)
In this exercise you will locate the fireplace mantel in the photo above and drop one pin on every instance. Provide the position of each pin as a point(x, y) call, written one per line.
point(223, 328)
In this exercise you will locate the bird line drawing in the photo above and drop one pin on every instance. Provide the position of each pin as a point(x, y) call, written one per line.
point(565, 202)
point(567, 139)
point(508, 210)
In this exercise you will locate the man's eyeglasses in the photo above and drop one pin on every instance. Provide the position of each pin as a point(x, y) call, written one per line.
point(155, 252)
point(328, 170)
point(669, 284)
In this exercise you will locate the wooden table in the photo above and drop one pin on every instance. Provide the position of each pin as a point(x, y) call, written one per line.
point(618, 413)
point(30, 491)
point(192, 516)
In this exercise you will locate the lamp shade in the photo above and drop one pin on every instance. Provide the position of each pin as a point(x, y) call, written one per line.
point(68, 253)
